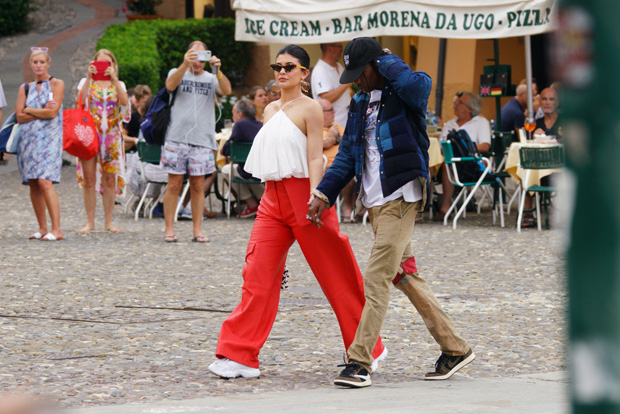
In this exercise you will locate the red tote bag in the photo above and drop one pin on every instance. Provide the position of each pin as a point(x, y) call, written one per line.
point(79, 133)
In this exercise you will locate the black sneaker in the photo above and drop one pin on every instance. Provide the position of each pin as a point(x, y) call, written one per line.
point(447, 365)
point(353, 376)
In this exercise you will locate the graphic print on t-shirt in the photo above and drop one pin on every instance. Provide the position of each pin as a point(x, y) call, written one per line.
point(201, 88)
point(371, 116)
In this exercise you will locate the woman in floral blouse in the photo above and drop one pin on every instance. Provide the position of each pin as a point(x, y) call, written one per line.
point(105, 172)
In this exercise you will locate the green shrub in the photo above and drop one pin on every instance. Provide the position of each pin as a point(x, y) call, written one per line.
point(14, 16)
point(135, 49)
point(147, 49)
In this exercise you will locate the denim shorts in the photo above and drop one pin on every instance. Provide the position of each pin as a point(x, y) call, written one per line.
point(180, 158)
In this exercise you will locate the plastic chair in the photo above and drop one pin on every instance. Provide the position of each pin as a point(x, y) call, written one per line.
point(500, 144)
point(238, 154)
point(150, 154)
point(453, 176)
point(546, 158)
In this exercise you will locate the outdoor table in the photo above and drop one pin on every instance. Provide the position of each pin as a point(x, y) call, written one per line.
point(435, 157)
point(221, 138)
point(516, 172)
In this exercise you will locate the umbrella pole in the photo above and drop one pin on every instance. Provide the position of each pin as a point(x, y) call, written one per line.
point(528, 78)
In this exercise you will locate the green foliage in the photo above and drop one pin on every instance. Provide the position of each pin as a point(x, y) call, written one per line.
point(146, 50)
point(14, 16)
point(219, 35)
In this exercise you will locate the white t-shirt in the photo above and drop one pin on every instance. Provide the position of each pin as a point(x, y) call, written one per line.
point(2, 98)
point(192, 117)
point(371, 178)
point(478, 129)
point(326, 78)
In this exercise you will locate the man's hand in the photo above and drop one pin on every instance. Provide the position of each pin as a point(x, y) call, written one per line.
point(315, 211)
point(190, 57)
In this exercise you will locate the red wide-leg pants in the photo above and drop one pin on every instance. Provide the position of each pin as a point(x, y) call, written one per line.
point(279, 222)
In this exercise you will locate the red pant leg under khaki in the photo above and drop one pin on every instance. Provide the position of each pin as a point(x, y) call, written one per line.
point(279, 222)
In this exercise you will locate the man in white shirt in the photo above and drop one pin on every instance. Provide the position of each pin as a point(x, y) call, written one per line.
point(190, 139)
point(467, 107)
point(326, 81)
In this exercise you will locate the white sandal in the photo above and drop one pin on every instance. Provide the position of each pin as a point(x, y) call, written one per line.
point(35, 236)
point(49, 237)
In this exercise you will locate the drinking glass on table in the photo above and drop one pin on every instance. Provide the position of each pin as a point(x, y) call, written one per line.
point(530, 126)
point(228, 123)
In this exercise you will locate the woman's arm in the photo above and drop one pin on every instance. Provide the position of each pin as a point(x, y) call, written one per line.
point(22, 117)
point(314, 130)
point(123, 99)
point(86, 85)
point(52, 106)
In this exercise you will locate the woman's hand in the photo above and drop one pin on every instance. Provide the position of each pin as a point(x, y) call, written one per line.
point(111, 73)
point(52, 104)
point(92, 70)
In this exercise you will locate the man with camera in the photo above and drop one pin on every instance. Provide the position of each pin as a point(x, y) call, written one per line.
point(190, 139)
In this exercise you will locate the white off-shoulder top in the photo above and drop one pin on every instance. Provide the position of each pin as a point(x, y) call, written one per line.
point(279, 151)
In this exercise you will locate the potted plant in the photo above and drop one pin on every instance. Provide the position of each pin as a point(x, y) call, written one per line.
point(142, 9)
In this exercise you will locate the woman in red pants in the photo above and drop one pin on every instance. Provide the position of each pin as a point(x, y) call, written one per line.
point(287, 155)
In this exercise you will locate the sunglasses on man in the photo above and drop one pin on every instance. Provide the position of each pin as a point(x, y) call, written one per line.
point(287, 68)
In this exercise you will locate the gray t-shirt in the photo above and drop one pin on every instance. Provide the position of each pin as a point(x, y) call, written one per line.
point(192, 118)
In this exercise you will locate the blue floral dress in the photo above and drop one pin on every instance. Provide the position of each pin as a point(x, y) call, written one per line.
point(39, 152)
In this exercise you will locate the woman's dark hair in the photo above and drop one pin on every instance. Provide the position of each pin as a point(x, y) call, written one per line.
point(297, 52)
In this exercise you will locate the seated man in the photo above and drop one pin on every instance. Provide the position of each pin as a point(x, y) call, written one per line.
point(549, 124)
point(513, 113)
point(245, 129)
point(273, 91)
point(332, 131)
point(467, 107)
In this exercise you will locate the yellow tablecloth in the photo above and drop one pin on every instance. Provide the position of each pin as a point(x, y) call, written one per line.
point(221, 138)
point(516, 172)
point(435, 157)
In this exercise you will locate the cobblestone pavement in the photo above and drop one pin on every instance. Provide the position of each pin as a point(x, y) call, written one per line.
point(119, 318)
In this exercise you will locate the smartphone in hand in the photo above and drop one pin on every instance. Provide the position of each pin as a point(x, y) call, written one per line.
point(101, 66)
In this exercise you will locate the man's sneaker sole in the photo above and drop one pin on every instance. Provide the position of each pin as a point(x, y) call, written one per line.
point(453, 371)
point(375, 364)
point(353, 384)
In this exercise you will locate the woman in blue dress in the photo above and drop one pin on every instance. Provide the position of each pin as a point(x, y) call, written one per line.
point(39, 153)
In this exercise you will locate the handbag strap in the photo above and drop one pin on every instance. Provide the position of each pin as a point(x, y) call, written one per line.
point(79, 102)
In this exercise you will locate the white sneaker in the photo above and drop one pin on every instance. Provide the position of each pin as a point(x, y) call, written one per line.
point(375, 364)
point(227, 368)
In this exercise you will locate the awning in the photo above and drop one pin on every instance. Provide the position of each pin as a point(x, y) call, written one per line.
point(325, 21)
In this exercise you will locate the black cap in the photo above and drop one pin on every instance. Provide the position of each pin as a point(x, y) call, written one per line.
point(357, 55)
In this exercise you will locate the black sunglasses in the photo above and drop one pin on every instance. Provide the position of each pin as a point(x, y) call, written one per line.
point(278, 68)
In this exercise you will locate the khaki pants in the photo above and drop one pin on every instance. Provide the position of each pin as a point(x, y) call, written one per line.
point(392, 224)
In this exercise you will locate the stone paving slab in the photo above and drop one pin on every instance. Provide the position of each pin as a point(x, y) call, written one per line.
point(543, 393)
point(103, 319)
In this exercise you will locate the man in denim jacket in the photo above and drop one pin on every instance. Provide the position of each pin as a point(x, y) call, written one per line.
point(385, 147)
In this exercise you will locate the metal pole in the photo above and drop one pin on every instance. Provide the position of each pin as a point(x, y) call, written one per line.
point(528, 77)
point(441, 65)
